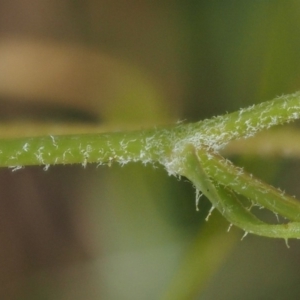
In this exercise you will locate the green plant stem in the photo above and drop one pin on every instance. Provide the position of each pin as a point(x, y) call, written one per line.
point(190, 150)
point(155, 145)
point(229, 206)
point(83, 148)
point(260, 193)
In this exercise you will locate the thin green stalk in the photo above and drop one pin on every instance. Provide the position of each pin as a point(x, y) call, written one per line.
point(232, 177)
point(158, 145)
point(229, 206)
point(218, 131)
point(84, 148)
point(189, 150)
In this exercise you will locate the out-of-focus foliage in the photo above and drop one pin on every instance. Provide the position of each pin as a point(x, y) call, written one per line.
point(121, 233)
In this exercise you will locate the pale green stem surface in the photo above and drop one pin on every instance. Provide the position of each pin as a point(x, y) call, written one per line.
point(228, 204)
point(189, 150)
point(260, 193)
point(146, 146)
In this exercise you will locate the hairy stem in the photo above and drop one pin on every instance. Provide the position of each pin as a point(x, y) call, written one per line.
point(260, 193)
point(229, 206)
point(157, 145)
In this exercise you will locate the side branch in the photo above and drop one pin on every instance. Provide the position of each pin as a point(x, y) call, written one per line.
point(227, 203)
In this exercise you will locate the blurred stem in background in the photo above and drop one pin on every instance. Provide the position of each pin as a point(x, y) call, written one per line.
point(147, 62)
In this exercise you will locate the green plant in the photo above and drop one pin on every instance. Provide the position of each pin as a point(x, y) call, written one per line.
point(190, 150)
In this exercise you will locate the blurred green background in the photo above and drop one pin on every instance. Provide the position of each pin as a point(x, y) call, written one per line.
point(123, 232)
